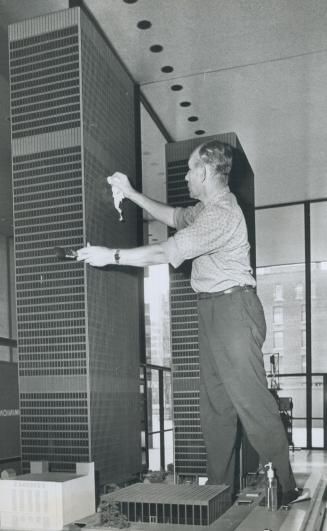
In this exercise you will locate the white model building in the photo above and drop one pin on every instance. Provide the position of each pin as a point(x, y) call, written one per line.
point(47, 500)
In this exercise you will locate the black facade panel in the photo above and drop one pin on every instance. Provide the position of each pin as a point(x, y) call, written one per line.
point(78, 362)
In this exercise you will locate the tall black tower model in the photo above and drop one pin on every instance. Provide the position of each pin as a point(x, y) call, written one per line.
point(190, 452)
point(74, 114)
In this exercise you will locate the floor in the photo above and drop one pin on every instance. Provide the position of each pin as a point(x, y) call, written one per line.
point(308, 461)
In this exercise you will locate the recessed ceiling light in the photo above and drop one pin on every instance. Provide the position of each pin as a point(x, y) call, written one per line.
point(185, 103)
point(167, 69)
point(156, 48)
point(199, 132)
point(176, 87)
point(193, 118)
point(144, 24)
point(130, 1)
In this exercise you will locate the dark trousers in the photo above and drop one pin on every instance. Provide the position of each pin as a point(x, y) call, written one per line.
point(232, 330)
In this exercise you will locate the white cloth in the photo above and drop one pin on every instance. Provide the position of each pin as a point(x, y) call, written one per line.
point(118, 197)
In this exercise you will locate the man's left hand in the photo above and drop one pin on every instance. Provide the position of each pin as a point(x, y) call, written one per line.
point(96, 256)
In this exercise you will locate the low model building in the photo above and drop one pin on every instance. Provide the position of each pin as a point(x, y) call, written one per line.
point(47, 500)
point(174, 504)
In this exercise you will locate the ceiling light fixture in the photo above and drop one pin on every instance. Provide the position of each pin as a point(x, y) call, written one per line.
point(176, 87)
point(185, 103)
point(167, 69)
point(156, 48)
point(199, 132)
point(144, 24)
point(193, 118)
point(130, 1)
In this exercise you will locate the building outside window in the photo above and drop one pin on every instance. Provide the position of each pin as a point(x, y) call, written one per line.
point(283, 268)
point(278, 315)
point(158, 358)
point(157, 312)
point(278, 292)
point(299, 291)
point(278, 340)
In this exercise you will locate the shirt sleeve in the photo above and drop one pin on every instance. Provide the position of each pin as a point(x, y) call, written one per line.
point(211, 229)
point(185, 216)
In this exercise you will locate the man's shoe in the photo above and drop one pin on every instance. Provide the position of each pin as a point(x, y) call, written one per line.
point(294, 496)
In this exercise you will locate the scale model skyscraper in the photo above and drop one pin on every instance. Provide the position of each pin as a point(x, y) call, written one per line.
point(75, 119)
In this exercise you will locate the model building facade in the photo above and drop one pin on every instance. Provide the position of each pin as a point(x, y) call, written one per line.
point(74, 114)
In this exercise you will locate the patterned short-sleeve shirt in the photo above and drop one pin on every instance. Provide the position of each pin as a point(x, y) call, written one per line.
point(214, 235)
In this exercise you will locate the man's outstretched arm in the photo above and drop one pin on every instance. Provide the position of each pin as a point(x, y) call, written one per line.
point(143, 256)
point(157, 210)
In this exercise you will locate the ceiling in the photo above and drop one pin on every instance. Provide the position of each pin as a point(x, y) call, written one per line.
point(255, 67)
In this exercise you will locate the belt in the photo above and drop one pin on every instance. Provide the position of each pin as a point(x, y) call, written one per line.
point(225, 291)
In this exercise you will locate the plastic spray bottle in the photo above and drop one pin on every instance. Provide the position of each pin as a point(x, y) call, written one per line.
point(271, 489)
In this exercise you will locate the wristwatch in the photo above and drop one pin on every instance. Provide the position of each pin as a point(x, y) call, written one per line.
point(117, 256)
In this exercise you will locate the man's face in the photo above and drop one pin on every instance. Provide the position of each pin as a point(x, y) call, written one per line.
point(194, 176)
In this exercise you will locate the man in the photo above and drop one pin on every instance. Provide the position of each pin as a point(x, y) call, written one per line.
point(232, 326)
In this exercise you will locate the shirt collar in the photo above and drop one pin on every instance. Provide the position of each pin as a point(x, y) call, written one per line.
point(219, 194)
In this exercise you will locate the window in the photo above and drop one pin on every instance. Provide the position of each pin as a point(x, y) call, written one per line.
point(303, 339)
point(278, 338)
point(299, 291)
point(278, 315)
point(318, 213)
point(278, 296)
point(8, 351)
point(280, 276)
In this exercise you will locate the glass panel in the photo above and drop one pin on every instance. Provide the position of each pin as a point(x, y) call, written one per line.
point(138, 516)
point(15, 355)
point(153, 172)
point(281, 285)
point(279, 291)
point(317, 433)
point(168, 422)
point(131, 509)
point(280, 236)
point(154, 452)
point(167, 516)
point(4, 302)
point(294, 388)
point(145, 512)
point(157, 315)
point(169, 450)
point(153, 159)
point(4, 353)
point(318, 213)
point(189, 514)
point(204, 513)
point(153, 400)
point(157, 278)
point(7, 298)
point(124, 508)
point(317, 412)
point(174, 512)
point(160, 513)
point(181, 514)
point(12, 290)
point(197, 516)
